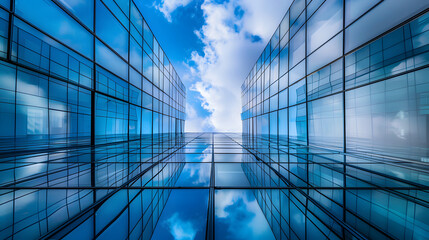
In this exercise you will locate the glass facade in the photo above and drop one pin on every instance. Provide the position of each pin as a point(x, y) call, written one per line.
point(89, 102)
point(335, 113)
point(95, 75)
point(335, 141)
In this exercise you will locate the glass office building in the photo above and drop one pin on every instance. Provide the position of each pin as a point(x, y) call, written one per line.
point(334, 143)
point(337, 107)
point(83, 72)
point(88, 102)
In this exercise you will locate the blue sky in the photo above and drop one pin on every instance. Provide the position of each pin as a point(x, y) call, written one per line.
point(213, 44)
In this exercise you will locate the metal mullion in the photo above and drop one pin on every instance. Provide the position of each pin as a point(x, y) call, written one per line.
point(344, 118)
point(93, 99)
point(210, 231)
point(308, 198)
point(98, 203)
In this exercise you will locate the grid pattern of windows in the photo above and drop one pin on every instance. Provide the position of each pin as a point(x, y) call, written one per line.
point(309, 88)
point(95, 75)
point(337, 106)
point(89, 102)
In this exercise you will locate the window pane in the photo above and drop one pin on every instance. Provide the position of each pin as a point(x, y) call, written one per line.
point(64, 28)
point(355, 9)
point(324, 24)
point(325, 81)
point(297, 48)
point(390, 117)
point(325, 122)
point(105, 57)
point(326, 54)
point(111, 31)
point(297, 93)
point(382, 18)
point(84, 10)
point(298, 124)
point(284, 61)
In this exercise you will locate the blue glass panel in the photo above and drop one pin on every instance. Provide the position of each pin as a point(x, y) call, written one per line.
point(135, 78)
point(147, 35)
point(111, 85)
point(324, 24)
point(4, 27)
point(398, 51)
point(136, 19)
point(64, 28)
point(325, 81)
point(134, 122)
point(298, 124)
point(105, 57)
point(118, 229)
point(297, 48)
point(119, 9)
point(184, 216)
point(295, 10)
point(111, 31)
point(284, 26)
point(274, 102)
point(325, 54)
point(83, 10)
point(195, 174)
point(146, 122)
point(5, 3)
point(297, 72)
point(355, 9)
point(283, 124)
point(396, 104)
point(383, 17)
point(83, 231)
point(234, 216)
point(274, 70)
point(147, 67)
point(284, 61)
point(325, 122)
point(111, 119)
point(136, 55)
point(283, 99)
point(297, 93)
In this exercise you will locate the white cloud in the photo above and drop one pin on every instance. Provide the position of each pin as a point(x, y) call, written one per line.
point(232, 205)
point(229, 53)
point(194, 122)
point(169, 6)
point(180, 229)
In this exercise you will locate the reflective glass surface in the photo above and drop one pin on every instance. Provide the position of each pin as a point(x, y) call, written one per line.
point(147, 189)
point(350, 124)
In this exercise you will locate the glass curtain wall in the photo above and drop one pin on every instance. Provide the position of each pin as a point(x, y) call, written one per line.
point(95, 75)
point(89, 102)
point(337, 104)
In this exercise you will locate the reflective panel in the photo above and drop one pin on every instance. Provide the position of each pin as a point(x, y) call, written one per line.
point(184, 216)
point(72, 34)
point(324, 24)
point(343, 156)
point(230, 174)
point(237, 216)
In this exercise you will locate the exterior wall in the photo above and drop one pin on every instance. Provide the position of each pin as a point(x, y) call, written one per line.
point(89, 103)
point(337, 105)
point(345, 75)
point(84, 73)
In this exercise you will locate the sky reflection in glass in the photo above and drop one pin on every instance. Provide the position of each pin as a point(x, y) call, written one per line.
point(230, 174)
point(194, 174)
point(238, 216)
point(184, 216)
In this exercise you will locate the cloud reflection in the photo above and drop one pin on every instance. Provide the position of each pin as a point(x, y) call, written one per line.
point(181, 229)
point(238, 216)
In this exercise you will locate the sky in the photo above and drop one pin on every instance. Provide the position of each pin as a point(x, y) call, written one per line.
point(213, 44)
